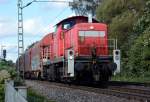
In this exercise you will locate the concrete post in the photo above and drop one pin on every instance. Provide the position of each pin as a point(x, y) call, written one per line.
point(11, 82)
point(8, 92)
point(22, 90)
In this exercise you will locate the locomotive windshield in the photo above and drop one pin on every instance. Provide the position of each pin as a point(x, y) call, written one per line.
point(68, 24)
point(92, 33)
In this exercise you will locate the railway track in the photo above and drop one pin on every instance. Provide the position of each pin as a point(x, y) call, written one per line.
point(141, 95)
point(123, 83)
point(138, 93)
point(129, 93)
point(131, 90)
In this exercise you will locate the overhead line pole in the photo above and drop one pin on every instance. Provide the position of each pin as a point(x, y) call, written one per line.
point(20, 35)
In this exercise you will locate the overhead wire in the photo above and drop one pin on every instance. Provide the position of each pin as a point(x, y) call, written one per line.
point(60, 13)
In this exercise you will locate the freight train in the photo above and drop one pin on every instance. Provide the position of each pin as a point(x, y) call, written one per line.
point(78, 50)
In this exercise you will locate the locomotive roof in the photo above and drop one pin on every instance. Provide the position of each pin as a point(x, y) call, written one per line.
point(75, 17)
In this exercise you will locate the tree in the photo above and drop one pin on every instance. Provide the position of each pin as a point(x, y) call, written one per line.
point(84, 7)
point(140, 51)
point(112, 8)
point(139, 63)
point(121, 15)
point(128, 21)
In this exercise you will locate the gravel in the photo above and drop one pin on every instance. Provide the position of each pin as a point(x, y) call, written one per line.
point(64, 94)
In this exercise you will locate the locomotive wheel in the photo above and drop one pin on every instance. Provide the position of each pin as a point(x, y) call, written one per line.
point(104, 73)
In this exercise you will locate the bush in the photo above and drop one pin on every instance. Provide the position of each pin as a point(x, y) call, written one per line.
point(9, 67)
point(112, 8)
point(34, 97)
point(2, 95)
point(129, 22)
point(4, 75)
point(140, 55)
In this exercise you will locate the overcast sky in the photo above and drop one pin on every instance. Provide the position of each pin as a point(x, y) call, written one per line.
point(39, 19)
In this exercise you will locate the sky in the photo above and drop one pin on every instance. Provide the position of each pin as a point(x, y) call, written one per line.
point(38, 20)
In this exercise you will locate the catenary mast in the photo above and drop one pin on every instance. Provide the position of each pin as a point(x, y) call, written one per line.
point(20, 33)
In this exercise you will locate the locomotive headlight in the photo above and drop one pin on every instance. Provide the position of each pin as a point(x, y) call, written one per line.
point(91, 27)
point(71, 57)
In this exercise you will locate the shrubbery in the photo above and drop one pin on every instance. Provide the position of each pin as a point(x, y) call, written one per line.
point(7, 71)
point(9, 67)
point(129, 22)
point(2, 95)
point(35, 97)
point(139, 59)
point(4, 74)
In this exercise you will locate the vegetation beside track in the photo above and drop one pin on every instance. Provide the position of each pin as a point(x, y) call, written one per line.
point(35, 97)
point(125, 78)
point(7, 71)
point(129, 22)
point(2, 95)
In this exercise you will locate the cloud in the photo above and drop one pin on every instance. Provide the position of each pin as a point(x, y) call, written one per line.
point(8, 27)
point(3, 1)
point(71, 15)
point(35, 26)
point(11, 51)
point(56, 5)
point(34, 30)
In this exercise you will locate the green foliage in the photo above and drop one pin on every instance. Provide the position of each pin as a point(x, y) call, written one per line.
point(18, 81)
point(126, 78)
point(143, 23)
point(34, 97)
point(9, 66)
point(112, 8)
point(140, 55)
point(2, 95)
point(129, 22)
point(109, 9)
point(121, 15)
point(121, 27)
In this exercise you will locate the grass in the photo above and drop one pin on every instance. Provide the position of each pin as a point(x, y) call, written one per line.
point(130, 78)
point(35, 97)
point(2, 94)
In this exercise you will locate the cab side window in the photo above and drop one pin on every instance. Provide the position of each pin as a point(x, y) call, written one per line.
point(68, 24)
point(55, 29)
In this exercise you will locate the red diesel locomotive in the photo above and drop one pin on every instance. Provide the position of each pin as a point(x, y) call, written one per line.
point(78, 50)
